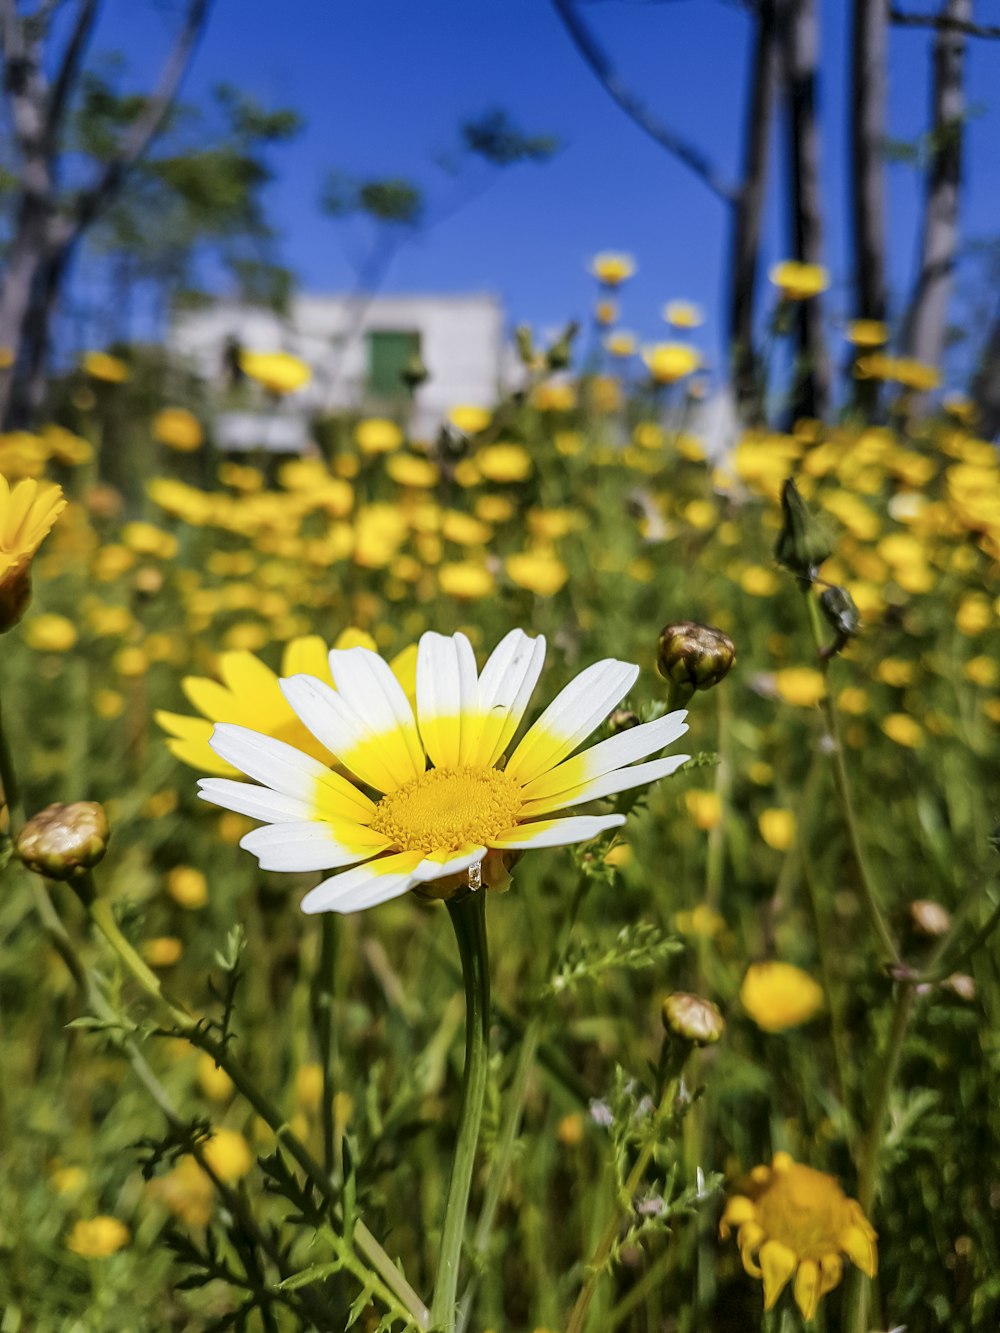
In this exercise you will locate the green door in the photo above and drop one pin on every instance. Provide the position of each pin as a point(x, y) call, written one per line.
point(389, 351)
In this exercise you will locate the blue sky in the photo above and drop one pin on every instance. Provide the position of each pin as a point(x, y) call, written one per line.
point(383, 84)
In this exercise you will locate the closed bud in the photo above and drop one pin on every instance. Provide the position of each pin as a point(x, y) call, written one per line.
point(930, 918)
point(622, 719)
point(842, 615)
point(802, 544)
point(698, 656)
point(525, 344)
point(559, 354)
point(63, 841)
point(414, 373)
point(693, 1019)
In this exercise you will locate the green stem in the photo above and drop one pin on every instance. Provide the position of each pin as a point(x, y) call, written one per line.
point(886, 1069)
point(676, 1057)
point(325, 1029)
point(195, 1032)
point(869, 896)
point(468, 916)
point(504, 1157)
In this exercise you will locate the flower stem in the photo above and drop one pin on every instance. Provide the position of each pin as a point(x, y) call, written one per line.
point(194, 1031)
point(468, 916)
point(869, 896)
point(675, 1058)
point(886, 1069)
point(325, 1028)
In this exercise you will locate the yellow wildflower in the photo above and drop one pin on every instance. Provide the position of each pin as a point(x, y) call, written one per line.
point(777, 828)
point(803, 687)
point(670, 362)
point(188, 887)
point(377, 435)
point(97, 1237)
point(504, 462)
point(540, 572)
point(612, 268)
point(50, 634)
point(104, 367)
point(904, 730)
point(178, 429)
point(797, 281)
point(683, 314)
point(469, 418)
point(27, 514)
point(278, 372)
point(778, 996)
point(867, 333)
point(794, 1220)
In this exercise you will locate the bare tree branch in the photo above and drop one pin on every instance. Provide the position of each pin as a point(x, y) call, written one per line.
point(944, 22)
point(139, 136)
point(69, 68)
point(636, 109)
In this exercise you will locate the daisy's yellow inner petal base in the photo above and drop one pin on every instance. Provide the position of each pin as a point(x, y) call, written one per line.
point(448, 808)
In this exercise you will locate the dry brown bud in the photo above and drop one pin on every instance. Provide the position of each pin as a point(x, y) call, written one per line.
point(929, 917)
point(62, 841)
point(693, 1019)
point(698, 656)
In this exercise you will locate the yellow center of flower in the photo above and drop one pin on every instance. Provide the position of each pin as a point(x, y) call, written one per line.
point(448, 808)
point(804, 1210)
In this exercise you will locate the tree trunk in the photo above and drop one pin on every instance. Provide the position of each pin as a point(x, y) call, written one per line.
point(986, 386)
point(868, 98)
point(800, 32)
point(25, 267)
point(747, 216)
point(926, 320)
point(28, 391)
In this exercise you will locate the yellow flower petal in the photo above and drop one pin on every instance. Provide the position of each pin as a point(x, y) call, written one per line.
point(777, 1264)
point(807, 1288)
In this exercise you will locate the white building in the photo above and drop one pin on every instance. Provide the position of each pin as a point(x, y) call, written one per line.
point(357, 347)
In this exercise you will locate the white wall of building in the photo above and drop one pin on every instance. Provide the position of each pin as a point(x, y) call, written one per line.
point(461, 337)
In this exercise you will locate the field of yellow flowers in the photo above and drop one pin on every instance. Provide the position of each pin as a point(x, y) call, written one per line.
point(729, 1057)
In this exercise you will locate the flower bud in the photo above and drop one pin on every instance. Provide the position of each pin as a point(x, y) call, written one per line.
point(930, 918)
point(698, 656)
point(415, 372)
point(558, 355)
point(63, 841)
point(802, 545)
point(693, 1019)
point(842, 615)
point(622, 719)
point(525, 344)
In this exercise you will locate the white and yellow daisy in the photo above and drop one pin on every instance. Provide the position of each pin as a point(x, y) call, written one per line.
point(442, 801)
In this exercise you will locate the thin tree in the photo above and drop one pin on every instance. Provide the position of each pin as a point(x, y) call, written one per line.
point(799, 27)
point(926, 318)
point(868, 88)
point(50, 218)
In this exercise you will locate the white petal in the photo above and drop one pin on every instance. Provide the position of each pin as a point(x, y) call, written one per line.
point(505, 689)
point(619, 779)
point(447, 698)
point(571, 716)
point(308, 846)
point(277, 765)
point(258, 802)
point(365, 682)
point(558, 832)
point(381, 760)
point(615, 752)
point(364, 886)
